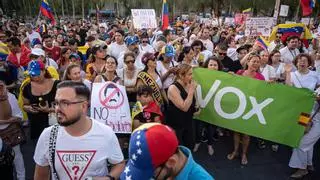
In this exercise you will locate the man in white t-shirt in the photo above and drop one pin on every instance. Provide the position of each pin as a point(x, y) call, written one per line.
point(31, 34)
point(117, 47)
point(83, 147)
point(205, 38)
point(289, 52)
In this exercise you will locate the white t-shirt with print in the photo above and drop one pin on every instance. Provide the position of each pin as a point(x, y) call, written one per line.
point(162, 71)
point(80, 157)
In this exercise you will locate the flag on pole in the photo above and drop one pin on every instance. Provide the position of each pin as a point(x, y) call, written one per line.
point(307, 7)
point(165, 15)
point(47, 11)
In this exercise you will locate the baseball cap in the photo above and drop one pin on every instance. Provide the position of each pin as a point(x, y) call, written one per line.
point(35, 41)
point(75, 55)
point(98, 47)
point(37, 52)
point(151, 145)
point(35, 68)
point(168, 51)
point(131, 40)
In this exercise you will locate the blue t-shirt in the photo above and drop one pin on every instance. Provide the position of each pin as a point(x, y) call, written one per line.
point(192, 170)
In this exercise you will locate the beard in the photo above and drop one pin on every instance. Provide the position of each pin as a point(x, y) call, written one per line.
point(70, 121)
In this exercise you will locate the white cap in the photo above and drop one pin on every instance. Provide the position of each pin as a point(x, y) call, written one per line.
point(237, 37)
point(38, 52)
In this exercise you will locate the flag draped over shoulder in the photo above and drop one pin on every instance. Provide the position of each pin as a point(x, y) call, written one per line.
point(165, 15)
point(307, 7)
point(290, 30)
point(47, 11)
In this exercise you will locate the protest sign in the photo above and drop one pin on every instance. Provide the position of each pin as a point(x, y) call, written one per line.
point(229, 21)
point(240, 18)
point(259, 26)
point(307, 21)
point(253, 107)
point(109, 105)
point(284, 10)
point(144, 18)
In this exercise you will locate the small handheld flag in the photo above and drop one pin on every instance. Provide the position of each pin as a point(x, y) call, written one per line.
point(263, 43)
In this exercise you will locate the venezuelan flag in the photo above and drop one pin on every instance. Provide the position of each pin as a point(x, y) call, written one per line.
point(263, 43)
point(290, 30)
point(165, 15)
point(307, 7)
point(46, 11)
point(4, 51)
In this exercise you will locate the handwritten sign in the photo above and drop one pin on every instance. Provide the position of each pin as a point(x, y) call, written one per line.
point(110, 106)
point(259, 26)
point(240, 18)
point(144, 18)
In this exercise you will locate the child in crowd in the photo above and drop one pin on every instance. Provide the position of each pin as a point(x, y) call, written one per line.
point(146, 109)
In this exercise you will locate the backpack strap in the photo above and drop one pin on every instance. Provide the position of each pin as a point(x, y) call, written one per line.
point(52, 149)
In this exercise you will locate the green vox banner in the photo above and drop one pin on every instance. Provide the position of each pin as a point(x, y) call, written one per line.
point(260, 109)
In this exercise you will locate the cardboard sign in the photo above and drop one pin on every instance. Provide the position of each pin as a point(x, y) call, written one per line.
point(259, 26)
point(110, 106)
point(144, 18)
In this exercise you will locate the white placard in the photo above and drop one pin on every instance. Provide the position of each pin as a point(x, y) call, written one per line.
point(259, 26)
point(229, 21)
point(307, 21)
point(284, 10)
point(144, 18)
point(110, 106)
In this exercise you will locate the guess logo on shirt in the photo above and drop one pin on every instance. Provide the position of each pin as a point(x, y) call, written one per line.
point(75, 163)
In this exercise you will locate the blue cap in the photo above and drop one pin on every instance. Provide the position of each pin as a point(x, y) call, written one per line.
point(35, 42)
point(35, 67)
point(169, 51)
point(131, 40)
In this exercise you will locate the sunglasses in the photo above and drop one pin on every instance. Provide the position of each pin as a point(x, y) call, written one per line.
point(222, 54)
point(127, 62)
point(144, 41)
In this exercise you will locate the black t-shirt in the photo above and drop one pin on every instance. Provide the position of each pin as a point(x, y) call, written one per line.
point(231, 65)
point(146, 117)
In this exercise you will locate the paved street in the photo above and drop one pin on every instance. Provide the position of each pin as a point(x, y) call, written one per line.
point(263, 164)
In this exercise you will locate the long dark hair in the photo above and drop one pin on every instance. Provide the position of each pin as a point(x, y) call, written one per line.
point(185, 51)
point(213, 58)
point(271, 55)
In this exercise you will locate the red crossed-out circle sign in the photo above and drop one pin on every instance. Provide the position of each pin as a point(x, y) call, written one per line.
point(105, 98)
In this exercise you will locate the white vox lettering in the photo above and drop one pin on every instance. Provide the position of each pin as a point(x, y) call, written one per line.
point(203, 102)
point(257, 109)
point(241, 107)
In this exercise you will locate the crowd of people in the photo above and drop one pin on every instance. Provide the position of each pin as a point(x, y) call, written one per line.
point(49, 71)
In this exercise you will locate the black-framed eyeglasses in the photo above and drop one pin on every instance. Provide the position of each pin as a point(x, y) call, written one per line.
point(65, 104)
